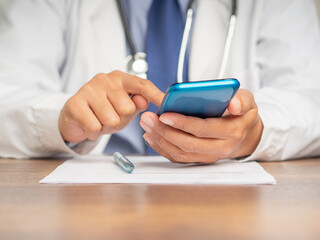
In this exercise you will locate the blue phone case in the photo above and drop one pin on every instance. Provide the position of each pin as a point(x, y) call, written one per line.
point(202, 99)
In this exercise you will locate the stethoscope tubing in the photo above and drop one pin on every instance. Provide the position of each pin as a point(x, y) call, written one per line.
point(184, 42)
point(126, 27)
point(185, 37)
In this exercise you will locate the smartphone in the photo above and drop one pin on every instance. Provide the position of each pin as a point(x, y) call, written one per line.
point(203, 99)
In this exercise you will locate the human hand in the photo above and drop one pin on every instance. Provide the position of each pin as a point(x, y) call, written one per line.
point(187, 139)
point(104, 105)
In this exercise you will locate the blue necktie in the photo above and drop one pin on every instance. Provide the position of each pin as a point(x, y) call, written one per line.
point(164, 36)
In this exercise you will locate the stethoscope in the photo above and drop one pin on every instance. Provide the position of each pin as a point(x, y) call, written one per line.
point(137, 63)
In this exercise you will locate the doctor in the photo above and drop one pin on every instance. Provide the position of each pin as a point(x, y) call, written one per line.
point(59, 92)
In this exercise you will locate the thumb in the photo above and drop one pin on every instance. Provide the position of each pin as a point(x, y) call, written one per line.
point(141, 102)
point(242, 102)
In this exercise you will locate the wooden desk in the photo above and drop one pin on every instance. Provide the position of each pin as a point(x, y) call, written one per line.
point(288, 210)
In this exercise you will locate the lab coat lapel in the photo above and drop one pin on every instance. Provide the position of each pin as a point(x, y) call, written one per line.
point(109, 34)
point(207, 43)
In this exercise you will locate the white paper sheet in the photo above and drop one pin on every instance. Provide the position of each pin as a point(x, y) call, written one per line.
point(157, 170)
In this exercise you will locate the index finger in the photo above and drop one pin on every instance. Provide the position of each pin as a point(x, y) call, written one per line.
point(202, 128)
point(144, 87)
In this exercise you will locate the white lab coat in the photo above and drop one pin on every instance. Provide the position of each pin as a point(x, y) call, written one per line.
point(49, 49)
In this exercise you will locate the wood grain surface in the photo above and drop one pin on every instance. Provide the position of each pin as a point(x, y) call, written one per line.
point(288, 210)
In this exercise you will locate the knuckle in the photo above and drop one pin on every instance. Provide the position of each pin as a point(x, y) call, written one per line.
point(232, 128)
point(226, 151)
point(112, 122)
point(189, 146)
point(183, 124)
point(254, 112)
point(163, 131)
point(160, 141)
point(68, 106)
point(142, 83)
point(88, 89)
point(72, 105)
point(74, 101)
point(100, 77)
point(182, 157)
point(202, 132)
point(94, 128)
point(237, 135)
point(116, 72)
point(99, 80)
point(127, 110)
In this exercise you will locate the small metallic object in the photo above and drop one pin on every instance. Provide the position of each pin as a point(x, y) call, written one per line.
point(137, 63)
point(123, 162)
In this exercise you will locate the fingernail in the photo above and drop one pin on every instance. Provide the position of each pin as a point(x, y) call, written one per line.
point(147, 140)
point(145, 127)
point(147, 120)
point(166, 121)
point(237, 105)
